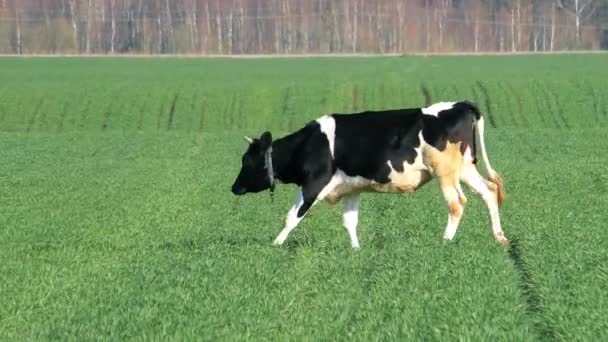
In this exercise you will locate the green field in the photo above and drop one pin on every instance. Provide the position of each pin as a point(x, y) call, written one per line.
point(117, 222)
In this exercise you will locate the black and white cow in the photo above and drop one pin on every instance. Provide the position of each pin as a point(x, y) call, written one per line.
point(339, 156)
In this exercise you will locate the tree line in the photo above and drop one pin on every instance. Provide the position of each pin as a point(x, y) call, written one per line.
point(299, 26)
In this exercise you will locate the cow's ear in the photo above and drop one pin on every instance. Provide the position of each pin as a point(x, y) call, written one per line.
point(266, 139)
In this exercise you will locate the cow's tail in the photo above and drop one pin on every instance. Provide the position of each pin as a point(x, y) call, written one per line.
point(492, 175)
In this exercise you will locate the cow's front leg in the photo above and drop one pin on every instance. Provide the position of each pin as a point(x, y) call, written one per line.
point(350, 218)
point(292, 220)
point(311, 193)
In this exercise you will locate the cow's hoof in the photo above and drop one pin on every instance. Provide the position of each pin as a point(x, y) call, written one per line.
point(503, 241)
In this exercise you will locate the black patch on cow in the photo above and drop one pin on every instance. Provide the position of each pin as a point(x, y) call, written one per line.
point(317, 167)
point(453, 125)
point(297, 155)
point(365, 141)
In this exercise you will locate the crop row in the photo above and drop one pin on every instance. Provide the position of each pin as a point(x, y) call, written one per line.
point(194, 107)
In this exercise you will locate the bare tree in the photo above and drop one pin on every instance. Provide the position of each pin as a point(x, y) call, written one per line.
point(140, 11)
point(579, 9)
point(89, 26)
point(101, 30)
point(208, 21)
point(277, 31)
point(519, 24)
point(161, 36)
point(242, 37)
point(192, 22)
point(442, 16)
point(513, 48)
point(75, 20)
point(401, 20)
point(427, 10)
point(113, 41)
point(218, 23)
point(355, 25)
point(230, 30)
point(335, 35)
point(476, 29)
point(287, 11)
point(169, 27)
point(131, 26)
point(19, 45)
point(552, 44)
point(47, 19)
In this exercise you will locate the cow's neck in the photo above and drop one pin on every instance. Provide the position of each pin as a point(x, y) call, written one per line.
point(283, 161)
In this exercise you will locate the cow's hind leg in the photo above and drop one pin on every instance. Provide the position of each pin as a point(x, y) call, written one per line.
point(350, 218)
point(489, 194)
point(455, 200)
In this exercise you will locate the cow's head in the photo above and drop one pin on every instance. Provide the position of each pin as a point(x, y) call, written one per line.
point(254, 176)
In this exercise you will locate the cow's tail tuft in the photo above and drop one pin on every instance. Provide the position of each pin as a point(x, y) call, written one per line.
point(492, 175)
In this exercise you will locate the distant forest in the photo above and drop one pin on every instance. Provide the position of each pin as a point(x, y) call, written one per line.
point(234, 27)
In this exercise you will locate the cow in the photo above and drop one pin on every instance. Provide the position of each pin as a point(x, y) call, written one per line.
point(339, 156)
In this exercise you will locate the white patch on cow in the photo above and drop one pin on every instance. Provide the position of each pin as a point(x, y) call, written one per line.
point(423, 143)
point(468, 156)
point(409, 180)
point(328, 126)
point(346, 185)
point(438, 107)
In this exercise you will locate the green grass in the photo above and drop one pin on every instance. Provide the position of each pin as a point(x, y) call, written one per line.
point(116, 219)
